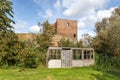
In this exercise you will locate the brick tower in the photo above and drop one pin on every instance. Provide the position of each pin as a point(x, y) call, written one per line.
point(67, 28)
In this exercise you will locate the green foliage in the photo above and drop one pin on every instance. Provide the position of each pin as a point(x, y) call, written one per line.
point(66, 43)
point(12, 51)
point(80, 44)
point(87, 40)
point(8, 39)
point(108, 39)
point(43, 41)
point(8, 42)
point(28, 55)
point(114, 37)
point(106, 63)
point(107, 42)
point(21, 54)
point(5, 14)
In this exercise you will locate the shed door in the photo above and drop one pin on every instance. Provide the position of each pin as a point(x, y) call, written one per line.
point(66, 59)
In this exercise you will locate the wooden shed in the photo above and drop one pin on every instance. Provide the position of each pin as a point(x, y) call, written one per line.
point(65, 57)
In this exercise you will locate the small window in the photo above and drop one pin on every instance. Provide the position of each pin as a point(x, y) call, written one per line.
point(54, 54)
point(74, 35)
point(68, 24)
point(91, 52)
point(87, 54)
point(77, 54)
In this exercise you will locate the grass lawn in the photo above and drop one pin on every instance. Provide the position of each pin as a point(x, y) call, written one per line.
point(85, 73)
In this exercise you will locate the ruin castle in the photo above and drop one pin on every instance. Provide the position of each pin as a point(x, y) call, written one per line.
point(64, 28)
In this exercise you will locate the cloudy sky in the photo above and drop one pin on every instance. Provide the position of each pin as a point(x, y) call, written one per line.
point(27, 13)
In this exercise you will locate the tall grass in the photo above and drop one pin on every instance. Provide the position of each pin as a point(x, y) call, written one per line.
point(106, 63)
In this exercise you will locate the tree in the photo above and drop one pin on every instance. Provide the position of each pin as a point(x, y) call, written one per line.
point(87, 40)
point(28, 56)
point(8, 48)
point(5, 14)
point(107, 41)
point(43, 40)
point(8, 38)
point(114, 31)
point(101, 25)
point(108, 38)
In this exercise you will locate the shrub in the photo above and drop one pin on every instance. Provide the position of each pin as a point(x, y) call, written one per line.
point(106, 63)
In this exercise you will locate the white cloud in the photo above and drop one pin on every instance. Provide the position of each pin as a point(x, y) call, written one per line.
point(86, 23)
point(34, 29)
point(78, 8)
point(81, 24)
point(88, 12)
point(85, 31)
point(86, 26)
point(92, 18)
point(57, 4)
point(67, 3)
point(105, 13)
point(97, 3)
point(20, 26)
point(75, 9)
point(48, 14)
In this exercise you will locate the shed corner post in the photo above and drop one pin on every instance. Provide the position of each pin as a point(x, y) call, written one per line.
point(71, 56)
point(82, 54)
point(47, 56)
point(93, 54)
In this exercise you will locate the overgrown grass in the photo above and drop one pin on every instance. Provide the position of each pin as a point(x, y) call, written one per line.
point(85, 73)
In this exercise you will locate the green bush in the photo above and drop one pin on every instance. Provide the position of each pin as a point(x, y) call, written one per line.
point(29, 56)
point(106, 63)
point(22, 54)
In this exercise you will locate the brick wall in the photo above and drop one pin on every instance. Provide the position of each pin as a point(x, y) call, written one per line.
point(67, 28)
